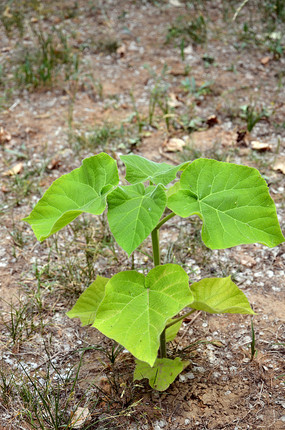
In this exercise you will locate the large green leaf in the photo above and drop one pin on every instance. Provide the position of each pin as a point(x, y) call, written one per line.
point(219, 296)
point(232, 200)
point(83, 190)
point(133, 212)
point(135, 308)
point(86, 306)
point(162, 374)
point(139, 169)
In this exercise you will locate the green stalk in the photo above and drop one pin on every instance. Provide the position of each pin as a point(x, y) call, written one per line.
point(164, 220)
point(156, 261)
point(180, 318)
point(155, 246)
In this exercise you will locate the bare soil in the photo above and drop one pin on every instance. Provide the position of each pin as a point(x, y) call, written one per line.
point(47, 131)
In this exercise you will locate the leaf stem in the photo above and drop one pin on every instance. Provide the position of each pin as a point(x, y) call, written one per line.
point(180, 318)
point(164, 220)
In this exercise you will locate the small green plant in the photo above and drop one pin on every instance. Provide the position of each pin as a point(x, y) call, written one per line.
point(189, 85)
point(52, 54)
point(252, 116)
point(194, 30)
point(140, 312)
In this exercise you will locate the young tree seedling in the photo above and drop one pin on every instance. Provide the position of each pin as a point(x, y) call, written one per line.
point(139, 311)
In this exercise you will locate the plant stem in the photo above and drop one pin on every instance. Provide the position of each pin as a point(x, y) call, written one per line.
point(169, 216)
point(162, 348)
point(156, 262)
point(155, 246)
point(180, 318)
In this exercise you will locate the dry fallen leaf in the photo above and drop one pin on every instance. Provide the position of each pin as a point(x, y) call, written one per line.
point(4, 136)
point(212, 120)
point(279, 165)
point(260, 146)
point(177, 70)
point(245, 259)
point(173, 145)
point(79, 418)
point(6, 49)
point(175, 3)
point(43, 115)
point(4, 189)
point(121, 51)
point(173, 101)
point(243, 137)
point(54, 164)
point(14, 171)
point(265, 60)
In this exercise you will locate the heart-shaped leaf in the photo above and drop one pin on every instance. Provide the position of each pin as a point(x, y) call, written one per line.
point(83, 190)
point(232, 200)
point(135, 308)
point(161, 374)
point(219, 296)
point(133, 212)
point(139, 169)
point(86, 306)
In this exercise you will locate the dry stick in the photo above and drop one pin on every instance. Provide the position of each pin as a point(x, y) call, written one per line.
point(239, 9)
point(191, 322)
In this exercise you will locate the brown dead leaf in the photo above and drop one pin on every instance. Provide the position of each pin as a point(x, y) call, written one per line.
point(260, 146)
point(265, 60)
point(212, 120)
point(4, 136)
point(121, 51)
point(173, 145)
point(6, 49)
point(243, 137)
point(4, 189)
point(54, 164)
point(14, 170)
point(173, 101)
point(177, 70)
point(245, 259)
point(80, 416)
point(279, 165)
point(43, 115)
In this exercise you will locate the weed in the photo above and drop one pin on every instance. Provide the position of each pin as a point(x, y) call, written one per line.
point(253, 115)
point(189, 85)
point(194, 30)
point(48, 401)
point(42, 64)
point(101, 136)
point(24, 320)
point(253, 351)
point(6, 385)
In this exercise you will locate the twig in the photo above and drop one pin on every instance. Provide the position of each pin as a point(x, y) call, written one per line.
point(239, 9)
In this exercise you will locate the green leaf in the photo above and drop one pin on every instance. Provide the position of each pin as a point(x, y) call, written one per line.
point(162, 374)
point(135, 308)
point(139, 169)
point(86, 306)
point(171, 332)
point(133, 212)
point(219, 296)
point(83, 190)
point(233, 201)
